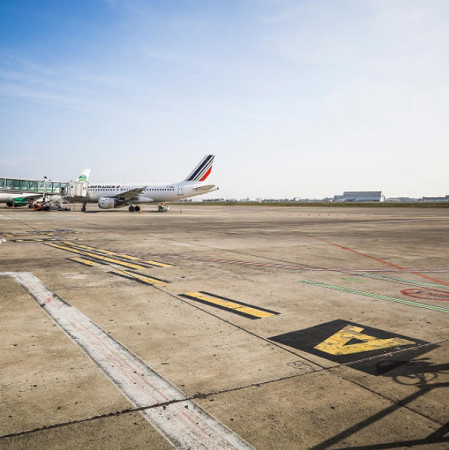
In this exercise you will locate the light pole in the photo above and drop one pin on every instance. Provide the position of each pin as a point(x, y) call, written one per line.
point(44, 197)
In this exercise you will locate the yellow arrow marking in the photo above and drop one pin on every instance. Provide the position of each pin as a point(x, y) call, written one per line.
point(336, 344)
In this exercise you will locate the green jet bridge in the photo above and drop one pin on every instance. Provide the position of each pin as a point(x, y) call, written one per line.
point(22, 187)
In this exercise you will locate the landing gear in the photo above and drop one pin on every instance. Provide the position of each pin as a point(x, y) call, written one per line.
point(163, 208)
point(83, 208)
point(134, 208)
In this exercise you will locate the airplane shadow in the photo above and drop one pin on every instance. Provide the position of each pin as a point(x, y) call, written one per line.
point(118, 211)
point(420, 373)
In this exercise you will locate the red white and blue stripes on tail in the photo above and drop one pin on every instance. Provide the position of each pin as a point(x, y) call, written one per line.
point(202, 170)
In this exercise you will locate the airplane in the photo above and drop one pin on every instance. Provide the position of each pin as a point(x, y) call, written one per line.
point(15, 199)
point(118, 195)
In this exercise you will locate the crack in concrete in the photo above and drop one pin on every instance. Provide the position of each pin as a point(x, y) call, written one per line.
point(198, 395)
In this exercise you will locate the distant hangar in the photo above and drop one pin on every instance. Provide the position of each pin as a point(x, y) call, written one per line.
point(360, 196)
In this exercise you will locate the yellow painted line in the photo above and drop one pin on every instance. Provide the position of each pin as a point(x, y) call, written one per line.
point(69, 249)
point(106, 252)
point(114, 261)
point(128, 257)
point(143, 278)
point(98, 257)
point(33, 240)
point(159, 264)
point(337, 343)
point(87, 262)
point(88, 247)
point(121, 255)
point(231, 305)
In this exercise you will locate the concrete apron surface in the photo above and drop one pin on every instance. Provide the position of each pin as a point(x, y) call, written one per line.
point(225, 327)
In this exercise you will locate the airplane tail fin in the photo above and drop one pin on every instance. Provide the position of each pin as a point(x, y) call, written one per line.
point(202, 170)
point(84, 175)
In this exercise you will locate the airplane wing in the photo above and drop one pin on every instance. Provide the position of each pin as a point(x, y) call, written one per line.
point(130, 195)
point(30, 196)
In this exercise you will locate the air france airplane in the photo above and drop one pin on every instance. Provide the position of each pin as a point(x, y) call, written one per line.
point(111, 196)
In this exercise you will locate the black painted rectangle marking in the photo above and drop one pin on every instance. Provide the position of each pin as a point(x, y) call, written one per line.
point(85, 261)
point(321, 336)
point(230, 305)
point(144, 279)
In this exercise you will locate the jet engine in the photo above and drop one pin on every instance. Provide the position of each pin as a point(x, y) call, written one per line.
point(18, 201)
point(108, 203)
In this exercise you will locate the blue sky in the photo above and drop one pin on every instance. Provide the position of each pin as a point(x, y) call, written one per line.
point(295, 98)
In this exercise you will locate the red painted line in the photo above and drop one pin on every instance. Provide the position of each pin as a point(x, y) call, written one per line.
point(427, 294)
point(378, 260)
point(309, 269)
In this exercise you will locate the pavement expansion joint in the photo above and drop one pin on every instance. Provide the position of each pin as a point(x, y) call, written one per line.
point(196, 396)
point(163, 405)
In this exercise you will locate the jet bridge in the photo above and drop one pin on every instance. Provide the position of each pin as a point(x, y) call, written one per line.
point(77, 191)
point(19, 186)
point(21, 192)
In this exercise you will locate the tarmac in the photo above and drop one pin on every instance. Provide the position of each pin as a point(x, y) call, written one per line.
point(225, 327)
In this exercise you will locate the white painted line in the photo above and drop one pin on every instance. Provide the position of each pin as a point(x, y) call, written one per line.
point(183, 423)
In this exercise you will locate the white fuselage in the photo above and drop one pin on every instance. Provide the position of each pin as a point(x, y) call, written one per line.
point(151, 193)
point(9, 195)
point(117, 195)
point(18, 198)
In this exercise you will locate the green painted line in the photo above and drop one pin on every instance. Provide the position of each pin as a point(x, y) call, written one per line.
point(401, 280)
point(378, 296)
